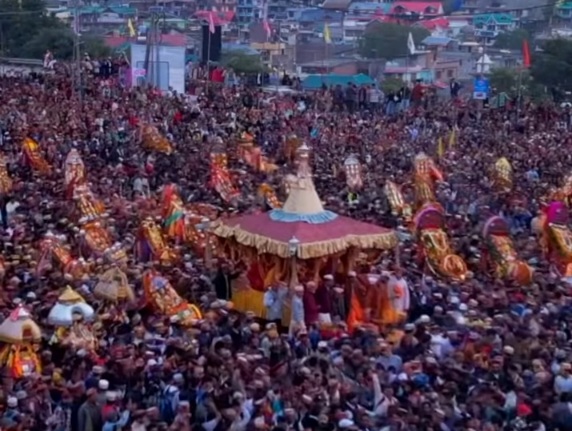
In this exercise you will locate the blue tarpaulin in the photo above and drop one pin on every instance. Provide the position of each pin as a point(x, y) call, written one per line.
point(315, 82)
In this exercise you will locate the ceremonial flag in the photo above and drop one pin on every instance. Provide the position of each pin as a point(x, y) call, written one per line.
point(452, 138)
point(440, 148)
point(212, 28)
point(327, 34)
point(525, 54)
point(131, 27)
point(410, 44)
point(267, 29)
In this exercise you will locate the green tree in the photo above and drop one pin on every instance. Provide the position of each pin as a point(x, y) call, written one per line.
point(510, 80)
point(389, 41)
point(391, 85)
point(242, 62)
point(21, 21)
point(512, 39)
point(552, 67)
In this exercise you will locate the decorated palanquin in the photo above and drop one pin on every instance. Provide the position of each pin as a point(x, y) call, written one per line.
point(71, 316)
point(53, 251)
point(434, 245)
point(220, 178)
point(301, 232)
point(5, 180)
point(502, 175)
point(163, 298)
point(87, 207)
point(399, 206)
point(19, 334)
point(500, 255)
point(150, 245)
point(74, 172)
point(151, 139)
point(198, 216)
point(269, 195)
point(556, 239)
point(95, 242)
point(425, 174)
point(173, 214)
point(34, 158)
point(352, 168)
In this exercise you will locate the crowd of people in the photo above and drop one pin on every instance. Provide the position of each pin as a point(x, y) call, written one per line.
point(477, 355)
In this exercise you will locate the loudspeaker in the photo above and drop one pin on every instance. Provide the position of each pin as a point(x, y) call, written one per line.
point(212, 52)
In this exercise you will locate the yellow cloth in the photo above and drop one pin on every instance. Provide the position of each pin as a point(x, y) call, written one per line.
point(249, 300)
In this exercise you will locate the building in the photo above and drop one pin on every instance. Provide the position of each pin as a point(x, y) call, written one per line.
point(334, 66)
point(278, 9)
point(563, 13)
point(412, 11)
point(489, 25)
point(249, 11)
point(523, 11)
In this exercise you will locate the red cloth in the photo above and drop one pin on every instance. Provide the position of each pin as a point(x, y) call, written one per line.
point(310, 308)
point(255, 278)
point(217, 75)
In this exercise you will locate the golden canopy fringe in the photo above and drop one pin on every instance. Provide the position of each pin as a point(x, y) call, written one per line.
point(262, 244)
point(5, 180)
point(151, 139)
point(34, 156)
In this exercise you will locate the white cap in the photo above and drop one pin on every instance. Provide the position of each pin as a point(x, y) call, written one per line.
point(31, 295)
point(352, 274)
point(178, 378)
point(103, 385)
point(12, 402)
point(328, 277)
point(111, 395)
point(346, 423)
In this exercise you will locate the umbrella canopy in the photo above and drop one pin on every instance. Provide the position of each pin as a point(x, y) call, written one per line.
point(19, 328)
point(303, 222)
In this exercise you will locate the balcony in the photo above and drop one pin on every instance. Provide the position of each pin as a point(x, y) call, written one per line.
point(486, 33)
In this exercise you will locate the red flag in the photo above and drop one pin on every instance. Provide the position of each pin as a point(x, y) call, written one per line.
point(211, 20)
point(525, 54)
point(267, 28)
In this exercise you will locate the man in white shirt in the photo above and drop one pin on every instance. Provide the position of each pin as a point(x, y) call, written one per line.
point(297, 321)
point(274, 302)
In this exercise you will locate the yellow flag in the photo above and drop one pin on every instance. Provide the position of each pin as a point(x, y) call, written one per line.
point(440, 148)
point(131, 27)
point(327, 34)
point(452, 138)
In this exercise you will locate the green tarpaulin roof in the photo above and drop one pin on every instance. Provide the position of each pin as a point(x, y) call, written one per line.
point(314, 82)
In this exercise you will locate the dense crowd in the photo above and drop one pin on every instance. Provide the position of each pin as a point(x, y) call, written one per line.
point(480, 355)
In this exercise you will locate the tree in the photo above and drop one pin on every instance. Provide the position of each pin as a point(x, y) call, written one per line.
point(510, 80)
point(553, 66)
point(241, 62)
point(504, 81)
point(389, 41)
point(391, 85)
point(512, 39)
point(21, 21)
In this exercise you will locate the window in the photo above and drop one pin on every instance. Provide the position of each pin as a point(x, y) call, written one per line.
point(438, 75)
point(450, 73)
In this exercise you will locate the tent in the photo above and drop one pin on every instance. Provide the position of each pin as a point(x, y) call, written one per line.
point(315, 82)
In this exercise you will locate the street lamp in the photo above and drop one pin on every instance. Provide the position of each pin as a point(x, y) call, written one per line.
point(293, 245)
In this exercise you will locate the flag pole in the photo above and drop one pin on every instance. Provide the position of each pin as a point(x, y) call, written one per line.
point(209, 60)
